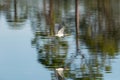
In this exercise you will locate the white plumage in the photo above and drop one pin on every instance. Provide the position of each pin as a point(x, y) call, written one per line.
point(60, 33)
point(60, 72)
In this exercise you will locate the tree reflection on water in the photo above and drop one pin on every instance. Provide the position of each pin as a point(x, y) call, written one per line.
point(95, 30)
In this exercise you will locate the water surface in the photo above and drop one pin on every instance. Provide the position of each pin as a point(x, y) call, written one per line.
point(30, 51)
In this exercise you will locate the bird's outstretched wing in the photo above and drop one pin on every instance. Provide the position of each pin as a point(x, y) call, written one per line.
point(61, 31)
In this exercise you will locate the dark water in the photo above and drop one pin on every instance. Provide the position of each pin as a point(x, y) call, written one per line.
point(29, 49)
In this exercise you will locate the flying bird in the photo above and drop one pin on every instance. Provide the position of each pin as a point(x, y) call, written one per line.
point(60, 33)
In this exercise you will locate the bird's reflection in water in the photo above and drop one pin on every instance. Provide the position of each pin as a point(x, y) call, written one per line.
point(59, 72)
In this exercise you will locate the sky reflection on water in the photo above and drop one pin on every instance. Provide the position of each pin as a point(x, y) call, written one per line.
point(17, 57)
